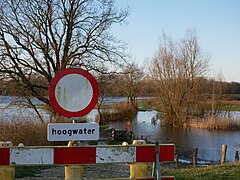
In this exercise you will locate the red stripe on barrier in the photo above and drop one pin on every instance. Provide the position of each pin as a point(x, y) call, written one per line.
point(167, 153)
point(162, 178)
point(4, 156)
point(75, 155)
point(167, 178)
point(147, 154)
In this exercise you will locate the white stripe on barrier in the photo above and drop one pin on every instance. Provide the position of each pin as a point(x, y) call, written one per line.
point(30, 156)
point(113, 154)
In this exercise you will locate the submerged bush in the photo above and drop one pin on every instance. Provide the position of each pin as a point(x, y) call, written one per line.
point(117, 112)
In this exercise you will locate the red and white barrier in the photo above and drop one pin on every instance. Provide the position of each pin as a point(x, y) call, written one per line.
point(84, 155)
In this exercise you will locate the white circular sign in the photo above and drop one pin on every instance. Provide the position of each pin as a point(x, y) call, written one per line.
point(73, 92)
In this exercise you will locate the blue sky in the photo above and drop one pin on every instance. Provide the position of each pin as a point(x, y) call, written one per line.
point(217, 23)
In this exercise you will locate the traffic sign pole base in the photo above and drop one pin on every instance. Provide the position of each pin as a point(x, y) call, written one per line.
point(74, 172)
point(138, 170)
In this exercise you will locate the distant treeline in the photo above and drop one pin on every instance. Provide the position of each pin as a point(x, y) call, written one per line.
point(145, 88)
point(232, 87)
point(12, 88)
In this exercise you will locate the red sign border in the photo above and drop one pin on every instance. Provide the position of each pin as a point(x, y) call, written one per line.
point(58, 77)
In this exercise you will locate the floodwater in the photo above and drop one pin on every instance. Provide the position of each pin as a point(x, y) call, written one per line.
point(209, 143)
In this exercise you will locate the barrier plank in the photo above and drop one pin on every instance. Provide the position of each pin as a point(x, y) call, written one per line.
point(84, 155)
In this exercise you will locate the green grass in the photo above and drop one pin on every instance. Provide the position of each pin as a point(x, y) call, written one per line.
point(235, 107)
point(227, 171)
point(144, 104)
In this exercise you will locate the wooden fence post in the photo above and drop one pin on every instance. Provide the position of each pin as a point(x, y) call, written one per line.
point(195, 152)
point(236, 156)
point(177, 160)
point(224, 152)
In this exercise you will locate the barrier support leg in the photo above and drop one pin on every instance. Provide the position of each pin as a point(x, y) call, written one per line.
point(7, 172)
point(138, 170)
point(157, 163)
point(74, 172)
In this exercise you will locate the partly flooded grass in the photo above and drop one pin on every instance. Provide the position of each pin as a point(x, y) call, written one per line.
point(227, 171)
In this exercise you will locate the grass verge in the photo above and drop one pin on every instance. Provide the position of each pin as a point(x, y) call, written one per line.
point(227, 171)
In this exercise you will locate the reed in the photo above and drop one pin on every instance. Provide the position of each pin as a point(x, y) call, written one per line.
point(24, 131)
point(220, 123)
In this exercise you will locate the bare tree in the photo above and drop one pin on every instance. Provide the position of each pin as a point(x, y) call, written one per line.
point(196, 64)
point(177, 69)
point(106, 83)
point(42, 37)
point(129, 82)
point(218, 90)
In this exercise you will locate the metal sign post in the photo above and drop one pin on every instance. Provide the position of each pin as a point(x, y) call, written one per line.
point(157, 166)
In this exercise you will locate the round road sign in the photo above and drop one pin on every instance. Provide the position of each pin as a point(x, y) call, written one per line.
point(73, 92)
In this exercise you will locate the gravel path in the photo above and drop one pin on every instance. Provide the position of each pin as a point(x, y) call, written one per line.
point(90, 172)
